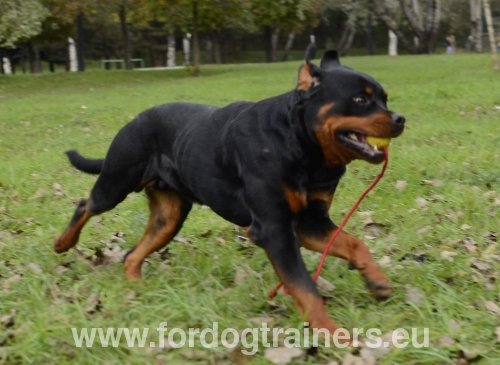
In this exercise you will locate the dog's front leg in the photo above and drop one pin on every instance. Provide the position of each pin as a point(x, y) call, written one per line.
point(314, 229)
point(283, 250)
point(272, 229)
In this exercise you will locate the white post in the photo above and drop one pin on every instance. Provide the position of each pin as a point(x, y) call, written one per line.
point(186, 47)
point(73, 62)
point(171, 50)
point(393, 43)
point(7, 67)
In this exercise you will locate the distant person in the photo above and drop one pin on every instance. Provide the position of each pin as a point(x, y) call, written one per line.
point(450, 44)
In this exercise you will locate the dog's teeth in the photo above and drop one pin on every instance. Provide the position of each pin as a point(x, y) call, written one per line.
point(375, 148)
point(352, 136)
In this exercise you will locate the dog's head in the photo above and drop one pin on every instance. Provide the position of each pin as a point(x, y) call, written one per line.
point(346, 111)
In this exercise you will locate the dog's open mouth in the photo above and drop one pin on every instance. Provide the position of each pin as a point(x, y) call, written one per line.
point(369, 148)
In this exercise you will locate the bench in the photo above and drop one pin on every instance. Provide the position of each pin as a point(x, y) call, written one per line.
point(120, 63)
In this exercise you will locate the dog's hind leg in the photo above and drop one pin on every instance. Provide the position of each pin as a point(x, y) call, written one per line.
point(111, 188)
point(167, 214)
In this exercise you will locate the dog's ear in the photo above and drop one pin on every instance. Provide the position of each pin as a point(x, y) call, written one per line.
point(330, 60)
point(308, 76)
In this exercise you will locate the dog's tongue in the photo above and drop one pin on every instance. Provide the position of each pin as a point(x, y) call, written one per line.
point(378, 142)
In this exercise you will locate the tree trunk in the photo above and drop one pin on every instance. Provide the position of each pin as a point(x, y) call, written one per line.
point(491, 33)
point(288, 45)
point(348, 32)
point(171, 49)
point(217, 49)
point(34, 58)
point(196, 41)
point(370, 42)
point(209, 50)
point(274, 45)
point(383, 13)
point(271, 41)
point(267, 42)
point(80, 42)
point(476, 25)
point(126, 42)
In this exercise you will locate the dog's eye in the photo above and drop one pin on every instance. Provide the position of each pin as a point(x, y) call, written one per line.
point(361, 100)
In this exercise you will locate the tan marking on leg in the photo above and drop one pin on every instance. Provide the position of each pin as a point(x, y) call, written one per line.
point(323, 196)
point(165, 212)
point(69, 238)
point(297, 200)
point(357, 253)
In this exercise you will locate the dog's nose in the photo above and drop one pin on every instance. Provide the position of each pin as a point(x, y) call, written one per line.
point(398, 119)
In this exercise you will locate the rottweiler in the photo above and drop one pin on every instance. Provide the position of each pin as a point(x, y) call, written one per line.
point(270, 166)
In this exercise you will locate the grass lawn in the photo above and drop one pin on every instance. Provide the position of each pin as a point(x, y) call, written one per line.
point(433, 220)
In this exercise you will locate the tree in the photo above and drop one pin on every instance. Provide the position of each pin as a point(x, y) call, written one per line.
point(476, 25)
point(422, 17)
point(20, 20)
point(288, 16)
point(491, 33)
point(196, 17)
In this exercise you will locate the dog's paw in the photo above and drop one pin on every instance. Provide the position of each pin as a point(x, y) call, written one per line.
point(380, 290)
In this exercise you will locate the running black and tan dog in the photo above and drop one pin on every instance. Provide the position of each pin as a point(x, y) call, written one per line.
point(271, 166)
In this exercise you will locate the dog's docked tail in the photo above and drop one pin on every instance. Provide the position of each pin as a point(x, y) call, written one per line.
point(88, 165)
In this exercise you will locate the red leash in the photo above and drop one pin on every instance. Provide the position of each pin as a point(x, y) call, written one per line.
point(272, 293)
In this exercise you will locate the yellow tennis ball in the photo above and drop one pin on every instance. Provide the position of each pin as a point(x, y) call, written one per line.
point(378, 142)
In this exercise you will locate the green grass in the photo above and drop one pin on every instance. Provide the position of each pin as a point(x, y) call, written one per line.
point(452, 138)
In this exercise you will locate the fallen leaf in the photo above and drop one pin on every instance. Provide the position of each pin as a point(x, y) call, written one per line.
point(237, 357)
point(8, 320)
point(129, 296)
point(93, 304)
point(470, 245)
point(282, 355)
point(240, 276)
point(424, 229)
point(374, 229)
point(114, 254)
point(414, 295)
point(117, 237)
point(220, 240)
point(469, 354)
point(491, 236)
point(259, 320)
point(192, 354)
point(418, 257)
point(324, 284)
point(11, 280)
point(366, 216)
point(35, 268)
point(454, 325)
point(206, 233)
point(350, 359)
point(385, 261)
point(401, 185)
point(40, 193)
point(480, 265)
point(433, 182)
point(448, 255)
point(446, 341)
point(421, 202)
point(489, 253)
point(180, 238)
point(465, 227)
point(492, 307)
point(58, 191)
